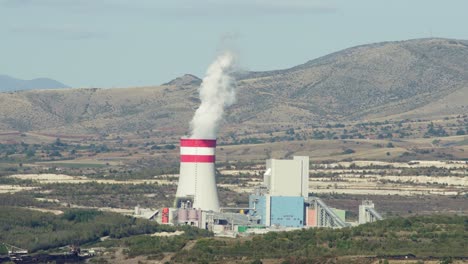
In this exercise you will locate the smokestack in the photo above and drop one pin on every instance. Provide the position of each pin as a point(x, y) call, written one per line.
point(197, 183)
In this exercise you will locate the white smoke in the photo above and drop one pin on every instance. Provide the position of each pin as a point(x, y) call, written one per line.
point(217, 91)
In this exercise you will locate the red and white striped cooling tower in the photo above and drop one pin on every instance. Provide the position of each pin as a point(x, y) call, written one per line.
point(197, 173)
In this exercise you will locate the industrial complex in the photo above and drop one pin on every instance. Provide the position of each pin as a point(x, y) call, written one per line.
point(281, 202)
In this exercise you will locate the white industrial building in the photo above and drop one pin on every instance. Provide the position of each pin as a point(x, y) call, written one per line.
point(287, 177)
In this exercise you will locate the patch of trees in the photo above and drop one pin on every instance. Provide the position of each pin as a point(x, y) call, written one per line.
point(349, 151)
point(437, 236)
point(42, 231)
point(435, 131)
point(426, 171)
point(123, 174)
point(167, 147)
point(152, 245)
point(20, 199)
point(56, 150)
point(111, 195)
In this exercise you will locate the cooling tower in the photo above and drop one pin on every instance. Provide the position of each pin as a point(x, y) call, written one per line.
point(197, 182)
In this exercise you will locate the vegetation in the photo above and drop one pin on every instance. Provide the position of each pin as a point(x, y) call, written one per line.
point(110, 195)
point(151, 245)
point(21, 199)
point(3, 250)
point(438, 131)
point(56, 150)
point(423, 236)
point(146, 154)
point(437, 236)
point(44, 231)
point(37, 230)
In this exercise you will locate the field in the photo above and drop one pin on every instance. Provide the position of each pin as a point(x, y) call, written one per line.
point(407, 168)
point(430, 186)
point(407, 158)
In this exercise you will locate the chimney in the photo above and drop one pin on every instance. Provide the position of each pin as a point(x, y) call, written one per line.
point(197, 182)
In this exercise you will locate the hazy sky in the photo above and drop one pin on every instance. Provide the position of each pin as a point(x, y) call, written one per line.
point(120, 43)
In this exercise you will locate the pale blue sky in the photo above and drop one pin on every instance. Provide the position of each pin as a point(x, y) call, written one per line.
point(121, 43)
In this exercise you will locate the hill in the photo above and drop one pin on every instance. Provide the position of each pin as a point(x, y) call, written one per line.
point(8, 84)
point(369, 81)
point(422, 78)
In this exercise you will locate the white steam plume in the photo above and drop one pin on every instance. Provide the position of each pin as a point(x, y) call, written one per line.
point(216, 93)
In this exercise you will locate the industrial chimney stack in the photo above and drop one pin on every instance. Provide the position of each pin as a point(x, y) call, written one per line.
point(197, 184)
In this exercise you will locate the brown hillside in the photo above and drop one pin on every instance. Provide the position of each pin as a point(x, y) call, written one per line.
point(415, 78)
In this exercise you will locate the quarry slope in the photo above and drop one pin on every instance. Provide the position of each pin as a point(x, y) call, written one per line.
point(421, 78)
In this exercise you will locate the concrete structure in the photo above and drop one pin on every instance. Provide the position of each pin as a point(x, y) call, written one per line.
point(197, 184)
point(326, 216)
point(367, 213)
point(146, 213)
point(259, 208)
point(287, 177)
point(311, 215)
point(340, 213)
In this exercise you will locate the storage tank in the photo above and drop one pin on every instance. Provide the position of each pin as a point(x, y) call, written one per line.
point(192, 215)
point(182, 215)
point(197, 173)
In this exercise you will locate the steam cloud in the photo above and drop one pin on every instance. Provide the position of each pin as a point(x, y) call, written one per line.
point(217, 91)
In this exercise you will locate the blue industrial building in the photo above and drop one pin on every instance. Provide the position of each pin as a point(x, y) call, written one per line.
point(285, 211)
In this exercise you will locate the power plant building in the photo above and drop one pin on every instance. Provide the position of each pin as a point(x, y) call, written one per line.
point(287, 177)
point(281, 201)
point(285, 211)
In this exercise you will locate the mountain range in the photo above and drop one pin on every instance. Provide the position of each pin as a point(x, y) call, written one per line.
point(8, 84)
point(422, 78)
